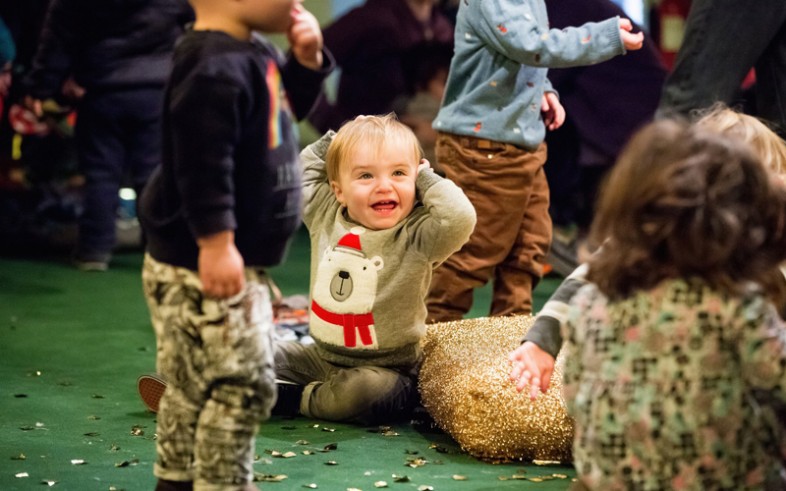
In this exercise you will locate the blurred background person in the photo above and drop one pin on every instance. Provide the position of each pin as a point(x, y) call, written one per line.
point(119, 53)
point(723, 40)
point(604, 104)
point(376, 45)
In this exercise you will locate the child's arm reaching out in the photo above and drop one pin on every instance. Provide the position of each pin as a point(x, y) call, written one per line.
point(532, 363)
point(518, 33)
point(551, 108)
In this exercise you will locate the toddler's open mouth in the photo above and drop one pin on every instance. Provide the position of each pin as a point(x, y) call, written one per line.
point(384, 206)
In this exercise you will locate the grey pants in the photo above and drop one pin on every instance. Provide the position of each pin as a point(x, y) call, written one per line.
point(363, 394)
point(217, 357)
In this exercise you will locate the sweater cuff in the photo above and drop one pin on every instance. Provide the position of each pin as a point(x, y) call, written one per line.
point(206, 224)
point(545, 332)
point(328, 65)
point(612, 30)
point(304, 85)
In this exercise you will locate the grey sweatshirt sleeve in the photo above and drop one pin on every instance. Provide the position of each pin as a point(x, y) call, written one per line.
point(545, 332)
point(316, 188)
point(450, 217)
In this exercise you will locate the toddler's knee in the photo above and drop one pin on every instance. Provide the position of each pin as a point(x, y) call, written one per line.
point(376, 397)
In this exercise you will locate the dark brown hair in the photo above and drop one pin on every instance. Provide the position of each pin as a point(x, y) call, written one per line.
point(683, 201)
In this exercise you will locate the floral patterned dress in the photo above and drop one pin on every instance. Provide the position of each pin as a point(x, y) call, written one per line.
point(666, 388)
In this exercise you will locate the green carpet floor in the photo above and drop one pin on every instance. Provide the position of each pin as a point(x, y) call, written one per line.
point(72, 345)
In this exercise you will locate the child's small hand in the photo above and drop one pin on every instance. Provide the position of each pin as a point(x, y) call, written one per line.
point(220, 265)
point(34, 105)
point(305, 38)
point(631, 41)
point(531, 366)
point(552, 110)
point(424, 165)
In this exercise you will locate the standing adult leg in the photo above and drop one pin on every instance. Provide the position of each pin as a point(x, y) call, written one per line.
point(771, 73)
point(724, 39)
point(101, 151)
point(143, 145)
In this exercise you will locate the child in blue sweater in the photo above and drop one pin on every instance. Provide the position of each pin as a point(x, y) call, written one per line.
point(498, 104)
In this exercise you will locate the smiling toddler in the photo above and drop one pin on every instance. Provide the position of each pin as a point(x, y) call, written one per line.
point(380, 221)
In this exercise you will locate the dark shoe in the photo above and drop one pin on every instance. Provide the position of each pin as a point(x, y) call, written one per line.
point(164, 485)
point(421, 418)
point(151, 387)
point(288, 400)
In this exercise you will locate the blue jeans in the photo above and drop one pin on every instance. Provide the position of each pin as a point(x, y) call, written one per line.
point(118, 137)
point(724, 39)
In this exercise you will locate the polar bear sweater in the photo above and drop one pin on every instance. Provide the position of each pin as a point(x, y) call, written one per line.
point(368, 287)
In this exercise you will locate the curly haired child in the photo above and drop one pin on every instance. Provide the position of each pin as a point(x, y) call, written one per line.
point(673, 340)
point(534, 359)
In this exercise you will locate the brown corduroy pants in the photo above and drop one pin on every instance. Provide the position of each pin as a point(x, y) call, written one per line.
point(507, 185)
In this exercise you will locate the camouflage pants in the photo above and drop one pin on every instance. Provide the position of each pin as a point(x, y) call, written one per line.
point(217, 357)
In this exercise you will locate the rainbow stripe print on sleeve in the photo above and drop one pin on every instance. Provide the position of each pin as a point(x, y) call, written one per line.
point(275, 91)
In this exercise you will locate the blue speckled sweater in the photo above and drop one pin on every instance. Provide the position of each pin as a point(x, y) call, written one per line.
point(498, 73)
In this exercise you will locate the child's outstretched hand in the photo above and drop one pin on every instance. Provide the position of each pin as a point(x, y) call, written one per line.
point(552, 110)
point(424, 165)
point(631, 41)
point(531, 366)
point(305, 38)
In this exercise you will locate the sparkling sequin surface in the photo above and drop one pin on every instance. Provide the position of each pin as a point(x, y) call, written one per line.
point(465, 387)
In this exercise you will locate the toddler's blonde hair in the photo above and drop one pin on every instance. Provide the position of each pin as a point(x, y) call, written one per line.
point(770, 148)
point(370, 130)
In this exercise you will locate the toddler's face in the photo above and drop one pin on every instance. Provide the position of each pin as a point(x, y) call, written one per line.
point(377, 185)
point(270, 15)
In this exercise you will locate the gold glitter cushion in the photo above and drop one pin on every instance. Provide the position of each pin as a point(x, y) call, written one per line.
point(465, 387)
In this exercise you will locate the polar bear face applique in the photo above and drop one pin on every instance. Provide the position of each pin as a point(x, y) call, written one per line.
point(343, 295)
